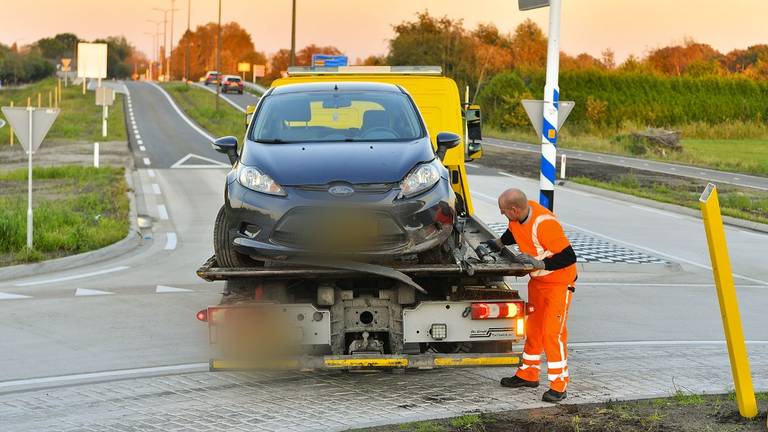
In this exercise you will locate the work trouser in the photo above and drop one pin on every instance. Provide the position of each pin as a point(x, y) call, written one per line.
point(547, 332)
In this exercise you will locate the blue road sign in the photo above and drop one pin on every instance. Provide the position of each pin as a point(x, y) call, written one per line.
point(329, 60)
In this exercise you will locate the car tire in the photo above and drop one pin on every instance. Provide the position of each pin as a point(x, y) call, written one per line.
point(226, 256)
point(240, 92)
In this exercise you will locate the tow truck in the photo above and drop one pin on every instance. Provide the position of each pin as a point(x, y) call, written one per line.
point(357, 315)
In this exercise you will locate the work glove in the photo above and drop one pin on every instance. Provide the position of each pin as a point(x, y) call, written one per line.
point(492, 245)
point(527, 259)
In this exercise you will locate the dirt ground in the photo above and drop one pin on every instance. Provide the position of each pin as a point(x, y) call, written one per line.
point(684, 413)
point(528, 164)
point(55, 153)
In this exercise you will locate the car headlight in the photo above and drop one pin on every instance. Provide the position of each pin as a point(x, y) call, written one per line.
point(256, 180)
point(420, 179)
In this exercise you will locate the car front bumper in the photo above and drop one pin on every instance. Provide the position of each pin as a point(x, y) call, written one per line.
point(267, 226)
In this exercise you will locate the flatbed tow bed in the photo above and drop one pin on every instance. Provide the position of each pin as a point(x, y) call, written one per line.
point(472, 298)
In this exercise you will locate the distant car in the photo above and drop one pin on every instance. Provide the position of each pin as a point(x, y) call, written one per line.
point(231, 83)
point(212, 77)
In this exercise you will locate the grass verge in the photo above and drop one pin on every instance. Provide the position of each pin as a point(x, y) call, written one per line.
point(200, 106)
point(733, 201)
point(740, 202)
point(80, 117)
point(737, 154)
point(681, 412)
point(76, 209)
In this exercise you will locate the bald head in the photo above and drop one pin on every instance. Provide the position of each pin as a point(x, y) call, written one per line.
point(513, 204)
point(513, 198)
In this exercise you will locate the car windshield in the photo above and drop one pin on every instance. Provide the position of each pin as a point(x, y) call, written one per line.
point(337, 116)
point(233, 79)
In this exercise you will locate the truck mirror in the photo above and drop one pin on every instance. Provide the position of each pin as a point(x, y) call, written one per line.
point(249, 110)
point(227, 145)
point(474, 123)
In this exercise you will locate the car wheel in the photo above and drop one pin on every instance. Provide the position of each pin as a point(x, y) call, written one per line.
point(240, 92)
point(226, 256)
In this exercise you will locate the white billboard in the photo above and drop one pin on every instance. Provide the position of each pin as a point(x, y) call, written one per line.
point(91, 60)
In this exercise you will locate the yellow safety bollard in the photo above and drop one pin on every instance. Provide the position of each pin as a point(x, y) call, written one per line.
point(39, 100)
point(59, 87)
point(50, 98)
point(729, 308)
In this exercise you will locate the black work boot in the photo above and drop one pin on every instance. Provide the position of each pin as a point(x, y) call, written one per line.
point(516, 381)
point(553, 396)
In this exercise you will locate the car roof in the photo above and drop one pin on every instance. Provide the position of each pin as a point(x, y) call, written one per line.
point(341, 86)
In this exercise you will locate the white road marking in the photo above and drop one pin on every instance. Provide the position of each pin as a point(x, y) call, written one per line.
point(181, 113)
point(507, 174)
point(141, 142)
point(660, 212)
point(151, 172)
point(482, 195)
point(146, 162)
point(763, 236)
point(138, 137)
point(11, 296)
point(170, 241)
point(181, 163)
point(646, 285)
point(73, 277)
point(166, 289)
point(161, 210)
point(223, 96)
point(156, 189)
point(82, 292)
point(190, 367)
point(654, 343)
point(133, 122)
point(142, 148)
point(666, 255)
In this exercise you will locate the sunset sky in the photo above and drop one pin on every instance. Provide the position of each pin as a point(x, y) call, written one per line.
point(362, 27)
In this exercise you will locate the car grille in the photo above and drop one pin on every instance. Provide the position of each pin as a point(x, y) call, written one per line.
point(339, 229)
point(369, 188)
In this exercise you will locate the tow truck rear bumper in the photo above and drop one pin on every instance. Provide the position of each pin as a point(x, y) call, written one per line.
point(373, 362)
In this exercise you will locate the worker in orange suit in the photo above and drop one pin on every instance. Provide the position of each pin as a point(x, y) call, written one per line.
point(542, 244)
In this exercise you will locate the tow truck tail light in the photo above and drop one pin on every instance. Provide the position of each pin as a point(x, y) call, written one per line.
point(202, 315)
point(497, 310)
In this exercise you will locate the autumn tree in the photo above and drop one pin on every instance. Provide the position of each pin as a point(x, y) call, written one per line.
point(236, 47)
point(674, 60)
point(529, 46)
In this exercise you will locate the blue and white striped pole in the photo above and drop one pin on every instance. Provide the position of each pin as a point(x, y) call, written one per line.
point(550, 110)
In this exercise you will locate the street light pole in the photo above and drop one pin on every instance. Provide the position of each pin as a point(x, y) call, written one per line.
point(171, 39)
point(218, 58)
point(186, 51)
point(293, 34)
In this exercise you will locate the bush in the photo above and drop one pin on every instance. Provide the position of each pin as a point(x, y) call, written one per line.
point(612, 98)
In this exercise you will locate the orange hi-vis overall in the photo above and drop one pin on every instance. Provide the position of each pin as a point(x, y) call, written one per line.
point(550, 293)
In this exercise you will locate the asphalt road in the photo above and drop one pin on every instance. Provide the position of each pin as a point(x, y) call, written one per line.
point(138, 310)
point(238, 101)
point(714, 176)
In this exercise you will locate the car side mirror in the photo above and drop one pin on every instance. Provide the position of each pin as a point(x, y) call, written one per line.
point(249, 110)
point(228, 146)
point(445, 142)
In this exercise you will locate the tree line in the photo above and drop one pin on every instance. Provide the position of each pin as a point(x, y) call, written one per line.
point(40, 59)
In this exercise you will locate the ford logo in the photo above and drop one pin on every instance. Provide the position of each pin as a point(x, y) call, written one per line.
point(341, 191)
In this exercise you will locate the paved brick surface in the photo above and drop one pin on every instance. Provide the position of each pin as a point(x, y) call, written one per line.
point(331, 401)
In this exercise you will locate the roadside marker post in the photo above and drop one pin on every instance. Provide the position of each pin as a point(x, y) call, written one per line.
point(10, 132)
point(95, 155)
point(726, 295)
point(562, 166)
point(550, 119)
point(105, 97)
point(31, 125)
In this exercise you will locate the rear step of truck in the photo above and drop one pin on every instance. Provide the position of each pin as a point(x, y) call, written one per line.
point(372, 362)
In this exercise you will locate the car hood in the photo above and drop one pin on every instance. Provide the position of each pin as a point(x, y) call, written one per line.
point(322, 163)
